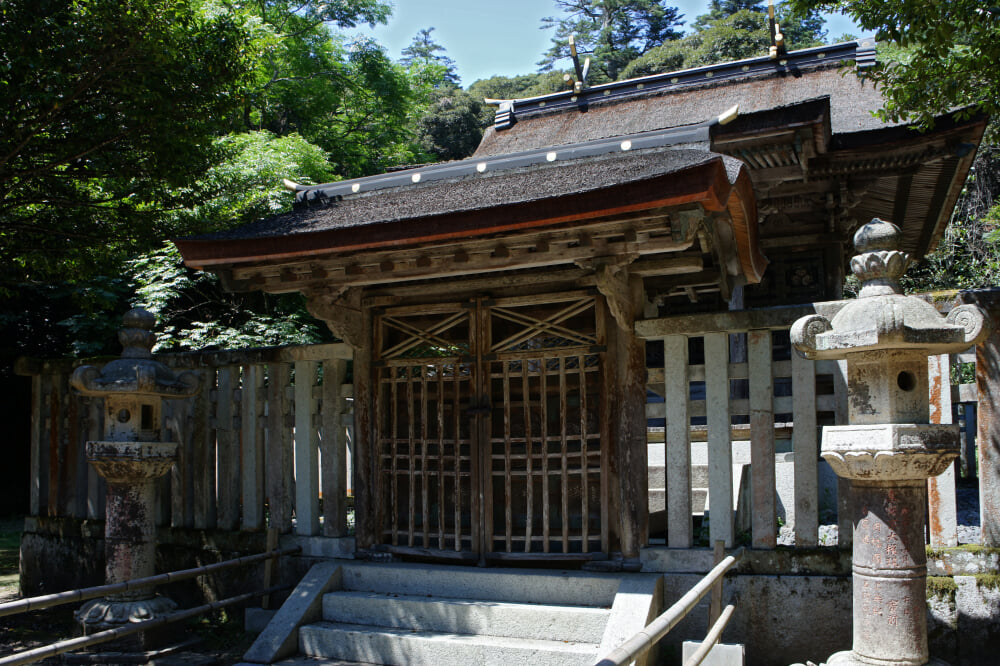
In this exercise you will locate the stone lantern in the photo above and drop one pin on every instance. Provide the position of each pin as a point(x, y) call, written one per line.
point(131, 458)
point(889, 448)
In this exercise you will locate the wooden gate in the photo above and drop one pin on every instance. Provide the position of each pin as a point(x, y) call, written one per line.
point(489, 422)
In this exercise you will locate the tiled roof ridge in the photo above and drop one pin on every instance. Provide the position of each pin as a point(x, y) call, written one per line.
point(861, 51)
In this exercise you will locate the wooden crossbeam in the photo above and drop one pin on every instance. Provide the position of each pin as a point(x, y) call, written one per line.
point(429, 336)
point(538, 326)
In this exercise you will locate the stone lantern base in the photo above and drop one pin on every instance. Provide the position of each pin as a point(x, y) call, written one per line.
point(101, 614)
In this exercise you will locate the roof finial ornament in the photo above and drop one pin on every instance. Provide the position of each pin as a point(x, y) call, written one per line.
point(581, 72)
point(778, 47)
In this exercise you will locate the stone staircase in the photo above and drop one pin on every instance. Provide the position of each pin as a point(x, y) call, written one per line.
point(657, 479)
point(658, 482)
point(413, 614)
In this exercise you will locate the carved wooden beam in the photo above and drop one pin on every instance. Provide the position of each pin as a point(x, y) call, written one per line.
point(613, 282)
point(341, 310)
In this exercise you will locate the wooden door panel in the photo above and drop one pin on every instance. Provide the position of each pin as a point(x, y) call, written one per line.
point(499, 400)
point(544, 454)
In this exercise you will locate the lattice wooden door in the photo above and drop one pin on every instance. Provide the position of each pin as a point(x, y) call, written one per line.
point(489, 421)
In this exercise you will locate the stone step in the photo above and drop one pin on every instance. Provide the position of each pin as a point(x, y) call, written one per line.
point(309, 661)
point(658, 500)
point(555, 587)
point(658, 476)
point(384, 645)
point(465, 616)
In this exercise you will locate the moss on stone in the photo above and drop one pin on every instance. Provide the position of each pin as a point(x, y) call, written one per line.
point(988, 581)
point(973, 548)
point(941, 586)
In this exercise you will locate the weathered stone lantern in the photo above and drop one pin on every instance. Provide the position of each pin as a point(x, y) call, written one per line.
point(130, 459)
point(889, 448)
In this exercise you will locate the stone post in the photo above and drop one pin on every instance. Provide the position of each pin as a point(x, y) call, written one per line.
point(889, 448)
point(131, 458)
point(988, 410)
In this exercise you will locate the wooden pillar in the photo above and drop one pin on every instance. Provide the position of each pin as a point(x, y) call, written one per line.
point(988, 432)
point(278, 449)
point(228, 454)
point(204, 454)
point(38, 460)
point(252, 439)
point(365, 479)
point(628, 410)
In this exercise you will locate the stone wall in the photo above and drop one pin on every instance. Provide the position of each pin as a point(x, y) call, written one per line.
point(963, 602)
point(795, 605)
point(59, 554)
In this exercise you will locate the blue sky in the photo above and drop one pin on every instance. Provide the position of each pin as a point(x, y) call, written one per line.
point(486, 37)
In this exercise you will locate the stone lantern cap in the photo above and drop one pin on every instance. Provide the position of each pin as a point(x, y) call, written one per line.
point(135, 372)
point(882, 318)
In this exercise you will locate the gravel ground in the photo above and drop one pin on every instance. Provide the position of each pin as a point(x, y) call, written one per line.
point(969, 530)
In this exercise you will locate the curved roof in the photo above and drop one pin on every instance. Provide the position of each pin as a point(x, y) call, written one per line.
point(475, 199)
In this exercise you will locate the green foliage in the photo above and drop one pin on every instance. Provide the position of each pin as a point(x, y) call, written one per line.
point(105, 106)
point(669, 57)
point(514, 87)
point(81, 317)
point(953, 47)
point(349, 98)
point(611, 32)
point(194, 312)
point(450, 129)
point(801, 27)
point(423, 52)
point(967, 256)
point(720, 36)
point(248, 185)
point(116, 133)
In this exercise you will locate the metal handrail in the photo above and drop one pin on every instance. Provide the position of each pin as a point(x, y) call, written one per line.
point(37, 654)
point(638, 645)
point(59, 598)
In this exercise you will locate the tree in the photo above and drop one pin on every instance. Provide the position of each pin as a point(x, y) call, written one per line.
point(248, 184)
point(612, 32)
point(952, 48)
point(348, 97)
point(719, 10)
point(968, 255)
point(193, 311)
point(720, 36)
point(513, 87)
point(422, 53)
point(801, 27)
point(451, 127)
point(106, 105)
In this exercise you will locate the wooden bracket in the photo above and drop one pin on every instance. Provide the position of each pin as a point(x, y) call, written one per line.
point(342, 313)
point(612, 282)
